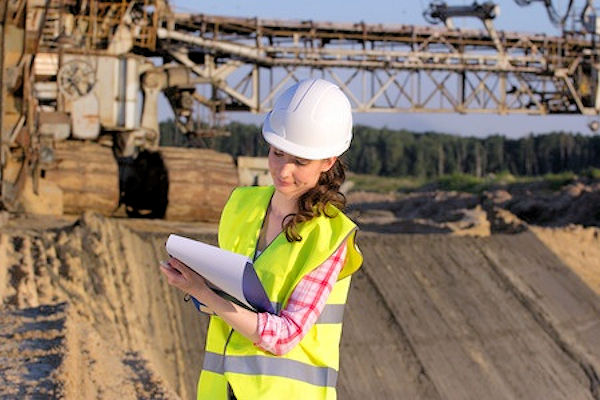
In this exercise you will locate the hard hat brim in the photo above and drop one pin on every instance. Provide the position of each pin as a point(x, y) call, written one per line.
point(309, 153)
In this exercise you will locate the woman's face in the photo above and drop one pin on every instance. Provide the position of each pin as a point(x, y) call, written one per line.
point(293, 176)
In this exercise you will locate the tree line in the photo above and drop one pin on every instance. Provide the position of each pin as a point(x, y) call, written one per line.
point(387, 152)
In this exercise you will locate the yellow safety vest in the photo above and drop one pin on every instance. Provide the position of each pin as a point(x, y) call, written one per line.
point(310, 369)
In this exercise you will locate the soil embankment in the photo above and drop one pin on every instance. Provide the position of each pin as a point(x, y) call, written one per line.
point(437, 316)
point(502, 210)
point(86, 313)
point(122, 314)
point(50, 352)
point(578, 247)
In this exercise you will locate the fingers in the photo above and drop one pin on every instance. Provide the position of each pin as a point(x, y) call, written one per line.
point(181, 276)
point(167, 266)
point(174, 277)
point(175, 262)
point(178, 265)
point(178, 274)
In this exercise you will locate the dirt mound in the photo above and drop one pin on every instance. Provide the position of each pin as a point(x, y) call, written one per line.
point(50, 352)
point(507, 210)
point(574, 204)
point(578, 248)
point(433, 212)
point(108, 273)
point(443, 317)
point(32, 348)
point(96, 368)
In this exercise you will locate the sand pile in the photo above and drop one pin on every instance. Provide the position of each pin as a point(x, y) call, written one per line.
point(502, 210)
point(445, 317)
point(577, 203)
point(461, 214)
point(51, 352)
point(120, 308)
point(578, 247)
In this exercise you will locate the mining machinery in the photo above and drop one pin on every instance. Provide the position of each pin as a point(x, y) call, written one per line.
point(81, 81)
point(80, 130)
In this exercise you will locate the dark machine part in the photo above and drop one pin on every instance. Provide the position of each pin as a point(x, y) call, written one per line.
point(143, 185)
point(553, 14)
point(588, 17)
point(182, 102)
point(439, 11)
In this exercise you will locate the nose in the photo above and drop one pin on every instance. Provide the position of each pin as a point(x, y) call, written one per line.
point(286, 169)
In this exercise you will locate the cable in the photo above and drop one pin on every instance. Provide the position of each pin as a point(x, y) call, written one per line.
point(554, 16)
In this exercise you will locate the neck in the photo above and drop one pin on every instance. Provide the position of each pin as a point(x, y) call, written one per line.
point(282, 205)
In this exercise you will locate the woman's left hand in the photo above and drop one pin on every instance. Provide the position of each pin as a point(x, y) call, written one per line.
point(183, 278)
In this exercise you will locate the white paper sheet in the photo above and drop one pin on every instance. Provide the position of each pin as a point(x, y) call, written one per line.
point(222, 268)
point(230, 272)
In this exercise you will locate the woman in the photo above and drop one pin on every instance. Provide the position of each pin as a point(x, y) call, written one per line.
point(304, 253)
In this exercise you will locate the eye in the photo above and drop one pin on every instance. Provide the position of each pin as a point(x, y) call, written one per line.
point(278, 153)
point(301, 162)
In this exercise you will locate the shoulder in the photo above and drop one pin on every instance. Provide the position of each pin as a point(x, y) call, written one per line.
point(332, 224)
point(244, 196)
point(335, 215)
point(251, 191)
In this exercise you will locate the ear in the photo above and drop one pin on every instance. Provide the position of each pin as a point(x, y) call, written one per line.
point(328, 163)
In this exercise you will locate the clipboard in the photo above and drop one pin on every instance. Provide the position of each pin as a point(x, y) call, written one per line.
point(229, 274)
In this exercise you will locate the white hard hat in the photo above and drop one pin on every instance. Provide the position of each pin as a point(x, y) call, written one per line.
point(312, 120)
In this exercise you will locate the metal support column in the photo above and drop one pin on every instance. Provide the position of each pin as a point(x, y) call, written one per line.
point(3, 9)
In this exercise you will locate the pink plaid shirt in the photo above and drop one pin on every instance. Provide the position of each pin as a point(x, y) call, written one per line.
point(280, 333)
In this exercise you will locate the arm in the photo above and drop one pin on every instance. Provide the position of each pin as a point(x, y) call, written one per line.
point(273, 333)
point(279, 334)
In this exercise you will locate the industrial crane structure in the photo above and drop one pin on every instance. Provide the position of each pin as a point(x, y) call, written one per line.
point(79, 76)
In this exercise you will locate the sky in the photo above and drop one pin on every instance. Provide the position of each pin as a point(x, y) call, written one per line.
point(532, 19)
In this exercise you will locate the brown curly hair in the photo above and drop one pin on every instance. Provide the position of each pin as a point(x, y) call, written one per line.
point(314, 202)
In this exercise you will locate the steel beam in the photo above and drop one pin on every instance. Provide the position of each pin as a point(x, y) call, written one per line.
point(388, 68)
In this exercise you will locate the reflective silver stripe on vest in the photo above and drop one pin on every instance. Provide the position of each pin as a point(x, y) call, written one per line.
point(331, 314)
point(213, 362)
point(270, 366)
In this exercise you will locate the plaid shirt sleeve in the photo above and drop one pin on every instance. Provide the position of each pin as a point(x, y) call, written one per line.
point(280, 333)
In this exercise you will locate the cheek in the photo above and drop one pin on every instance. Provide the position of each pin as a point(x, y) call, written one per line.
point(309, 177)
point(273, 164)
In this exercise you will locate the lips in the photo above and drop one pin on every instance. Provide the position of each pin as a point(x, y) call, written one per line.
point(283, 183)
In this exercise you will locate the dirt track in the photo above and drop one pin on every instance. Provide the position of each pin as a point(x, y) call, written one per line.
point(429, 316)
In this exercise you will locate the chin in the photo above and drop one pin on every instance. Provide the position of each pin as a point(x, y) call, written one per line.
point(286, 189)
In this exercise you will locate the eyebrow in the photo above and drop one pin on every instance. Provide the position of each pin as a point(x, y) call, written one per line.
point(297, 158)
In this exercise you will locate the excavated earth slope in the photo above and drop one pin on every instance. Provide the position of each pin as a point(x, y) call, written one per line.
point(469, 318)
point(124, 314)
point(86, 314)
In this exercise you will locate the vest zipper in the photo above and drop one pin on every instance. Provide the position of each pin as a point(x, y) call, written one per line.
point(227, 341)
point(230, 394)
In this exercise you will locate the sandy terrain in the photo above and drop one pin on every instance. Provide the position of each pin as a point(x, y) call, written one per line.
point(509, 311)
point(578, 247)
point(121, 313)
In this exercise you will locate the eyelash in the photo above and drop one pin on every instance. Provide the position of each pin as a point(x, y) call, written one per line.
point(297, 162)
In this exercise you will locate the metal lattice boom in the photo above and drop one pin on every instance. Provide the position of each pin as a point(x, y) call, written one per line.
point(383, 68)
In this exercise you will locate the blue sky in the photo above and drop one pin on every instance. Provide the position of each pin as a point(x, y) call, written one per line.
point(512, 18)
